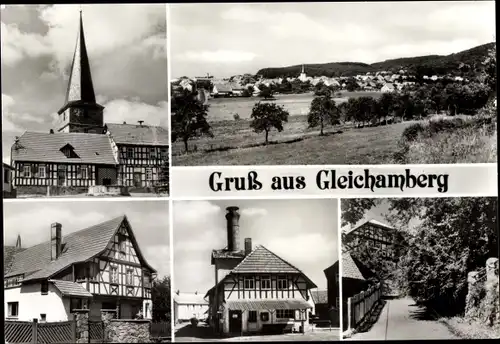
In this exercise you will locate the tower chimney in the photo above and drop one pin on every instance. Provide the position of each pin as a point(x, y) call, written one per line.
point(248, 246)
point(55, 240)
point(51, 131)
point(18, 242)
point(140, 123)
point(233, 228)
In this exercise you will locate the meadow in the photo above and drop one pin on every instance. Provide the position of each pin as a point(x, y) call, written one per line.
point(235, 143)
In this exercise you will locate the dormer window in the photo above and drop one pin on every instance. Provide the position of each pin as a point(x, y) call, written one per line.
point(69, 151)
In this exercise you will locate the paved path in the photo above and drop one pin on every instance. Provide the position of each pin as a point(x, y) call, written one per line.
point(401, 319)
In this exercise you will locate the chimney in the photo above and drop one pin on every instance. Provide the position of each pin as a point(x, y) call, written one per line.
point(51, 131)
point(55, 240)
point(18, 242)
point(140, 123)
point(248, 246)
point(233, 229)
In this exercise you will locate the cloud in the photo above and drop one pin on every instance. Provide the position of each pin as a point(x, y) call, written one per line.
point(158, 256)
point(301, 245)
point(253, 212)
point(17, 45)
point(121, 110)
point(194, 212)
point(227, 56)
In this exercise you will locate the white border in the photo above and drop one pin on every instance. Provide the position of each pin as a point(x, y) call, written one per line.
point(339, 253)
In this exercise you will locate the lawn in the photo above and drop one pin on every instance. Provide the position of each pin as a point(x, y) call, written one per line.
point(341, 145)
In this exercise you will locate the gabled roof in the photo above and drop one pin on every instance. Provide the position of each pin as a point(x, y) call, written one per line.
point(263, 261)
point(353, 268)
point(8, 166)
point(223, 88)
point(8, 257)
point(373, 222)
point(78, 247)
point(46, 147)
point(189, 299)
point(319, 296)
point(138, 134)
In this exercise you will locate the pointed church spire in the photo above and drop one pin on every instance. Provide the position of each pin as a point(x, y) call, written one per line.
point(302, 68)
point(80, 87)
point(18, 242)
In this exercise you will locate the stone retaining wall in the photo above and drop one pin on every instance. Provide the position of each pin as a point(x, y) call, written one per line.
point(129, 331)
point(101, 190)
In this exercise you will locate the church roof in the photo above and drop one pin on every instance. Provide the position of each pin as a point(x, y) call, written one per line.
point(78, 246)
point(46, 147)
point(138, 134)
point(80, 85)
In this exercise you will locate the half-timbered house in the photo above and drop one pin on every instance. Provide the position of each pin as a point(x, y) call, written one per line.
point(256, 291)
point(100, 267)
point(82, 151)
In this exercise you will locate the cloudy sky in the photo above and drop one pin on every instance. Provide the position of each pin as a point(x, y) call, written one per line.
point(149, 221)
point(302, 232)
point(242, 38)
point(127, 52)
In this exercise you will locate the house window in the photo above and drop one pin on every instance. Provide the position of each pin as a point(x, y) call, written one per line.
point(130, 153)
point(130, 277)
point(282, 283)
point(252, 316)
point(84, 172)
point(43, 317)
point(264, 316)
point(44, 287)
point(13, 309)
point(285, 313)
point(152, 153)
point(41, 171)
point(27, 171)
point(77, 303)
point(249, 283)
point(113, 275)
point(300, 315)
point(147, 280)
point(164, 154)
point(265, 283)
point(149, 174)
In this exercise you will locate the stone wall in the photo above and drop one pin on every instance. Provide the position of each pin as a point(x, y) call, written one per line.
point(482, 302)
point(129, 331)
point(112, 190)
point(82, 325)
point(26, 190)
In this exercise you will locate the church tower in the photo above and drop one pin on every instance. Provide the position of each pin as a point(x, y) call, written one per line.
point(303, 76)
point(81, 113)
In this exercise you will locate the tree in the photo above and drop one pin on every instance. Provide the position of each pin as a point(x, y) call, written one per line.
point(454, 236)
point(323, 110)
point(189, 117)
point(266, 116)
point(160, 295)
point(386, 104)
point(354, 209)
point(266, 92)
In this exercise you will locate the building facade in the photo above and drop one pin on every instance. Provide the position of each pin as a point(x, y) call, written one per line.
point(83, 151)
point(189, 305)
point(100, 267)
point(256, 291)
point(7, 189)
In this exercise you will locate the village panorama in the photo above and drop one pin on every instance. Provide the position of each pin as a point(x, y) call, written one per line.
point(397, 111)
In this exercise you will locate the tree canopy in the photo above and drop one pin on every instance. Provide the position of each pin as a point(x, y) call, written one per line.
point(266, 116)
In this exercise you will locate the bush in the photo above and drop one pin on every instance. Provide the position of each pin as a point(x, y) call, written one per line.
point(236, 117)
point(194, 321)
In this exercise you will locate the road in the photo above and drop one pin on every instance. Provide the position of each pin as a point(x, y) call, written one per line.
point(402, 319)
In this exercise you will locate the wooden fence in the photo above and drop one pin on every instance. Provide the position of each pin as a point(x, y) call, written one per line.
point(161, 330)
point(360, 305)
point(17, 332)
point(96, 331)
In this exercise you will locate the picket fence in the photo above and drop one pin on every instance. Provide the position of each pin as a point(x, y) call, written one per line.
point(360, 305)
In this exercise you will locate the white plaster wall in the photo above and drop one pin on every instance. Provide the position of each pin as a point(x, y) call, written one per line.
point(186, 312)
point(32, 303)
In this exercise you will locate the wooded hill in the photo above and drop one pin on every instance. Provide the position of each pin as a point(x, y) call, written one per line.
point(466, 61)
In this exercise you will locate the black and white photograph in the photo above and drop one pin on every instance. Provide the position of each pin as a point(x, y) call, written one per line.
point(254, 270)
point(420, 268)
point(87, 272)
point(84, 100)
point(347, 83)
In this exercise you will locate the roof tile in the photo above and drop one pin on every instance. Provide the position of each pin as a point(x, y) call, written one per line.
point(70, 288)
point(138, 134)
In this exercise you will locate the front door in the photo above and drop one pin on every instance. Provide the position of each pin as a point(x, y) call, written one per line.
point(61, 175)
point(137, 179)
point(234, 321)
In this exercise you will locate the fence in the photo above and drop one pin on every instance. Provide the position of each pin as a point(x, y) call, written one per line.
point(39, 333)
point(96, 330)
point(360, 305)
point(161, 330)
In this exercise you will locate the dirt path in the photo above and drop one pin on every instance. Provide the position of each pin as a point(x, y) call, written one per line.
point(402, 319)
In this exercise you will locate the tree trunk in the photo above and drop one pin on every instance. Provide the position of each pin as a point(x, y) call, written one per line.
point(267, 136)
point(321, 124)
point(186, 145)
